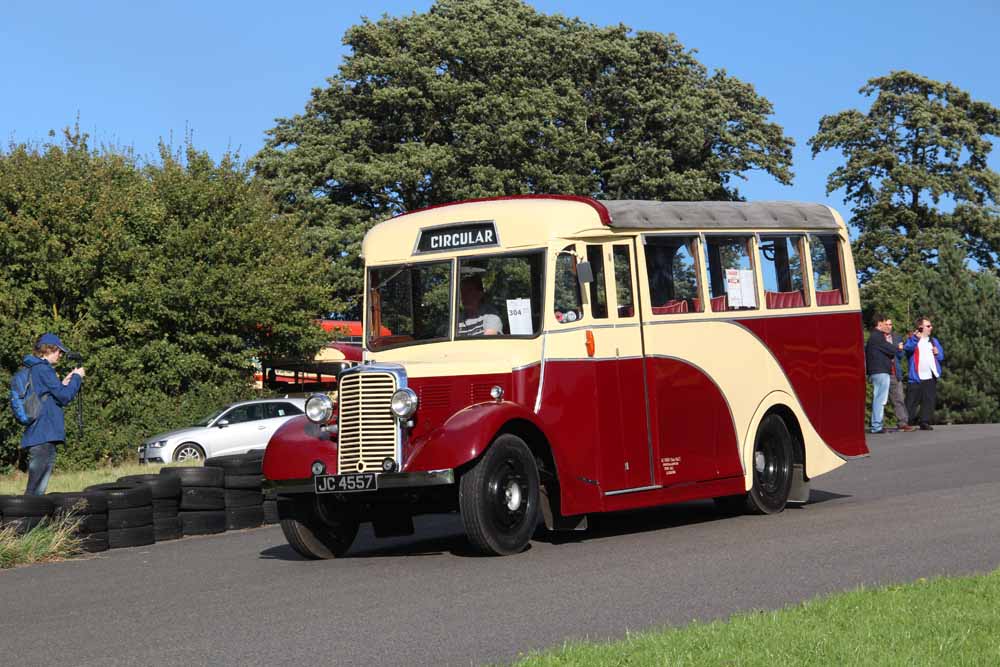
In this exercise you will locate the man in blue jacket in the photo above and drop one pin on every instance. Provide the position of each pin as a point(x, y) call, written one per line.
point(43, 434)
point(925, 354)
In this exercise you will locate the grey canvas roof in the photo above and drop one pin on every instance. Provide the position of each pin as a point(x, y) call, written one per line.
point(718, 215)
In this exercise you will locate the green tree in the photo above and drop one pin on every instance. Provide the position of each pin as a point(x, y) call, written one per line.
point(479, 98)
point(916, 165)
point(169, 277)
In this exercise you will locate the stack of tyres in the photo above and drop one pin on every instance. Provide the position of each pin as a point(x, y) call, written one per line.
point(270, 506)
point(243, 496)
point(203, 499)
point(130, 514)
point(166, 502)
point(90, 511)
point(24, 512)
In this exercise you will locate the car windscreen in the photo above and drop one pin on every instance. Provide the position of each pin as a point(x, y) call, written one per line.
point(409, 304)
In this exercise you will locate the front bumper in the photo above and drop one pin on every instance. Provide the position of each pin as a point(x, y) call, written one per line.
point(151, 454)
point(386, 480)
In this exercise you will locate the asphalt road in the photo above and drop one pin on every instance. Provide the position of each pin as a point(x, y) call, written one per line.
point(924, 504)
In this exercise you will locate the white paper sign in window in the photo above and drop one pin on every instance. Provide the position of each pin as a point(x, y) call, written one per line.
point(740, 292)
point(519, 316)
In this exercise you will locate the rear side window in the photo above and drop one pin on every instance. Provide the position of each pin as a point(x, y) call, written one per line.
point(273, 410)
point(781, 271)
point(824, 250)
point(671, 262)
point(730, 273)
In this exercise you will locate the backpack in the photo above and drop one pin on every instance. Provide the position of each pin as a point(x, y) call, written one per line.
point(24, 402)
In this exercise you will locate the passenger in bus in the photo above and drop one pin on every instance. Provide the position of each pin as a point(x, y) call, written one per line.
point(477, 318)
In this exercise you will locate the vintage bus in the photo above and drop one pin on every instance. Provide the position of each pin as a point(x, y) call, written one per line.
point(546, 358)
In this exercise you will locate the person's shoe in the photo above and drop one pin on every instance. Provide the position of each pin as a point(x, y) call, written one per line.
point(878, 432)
point(907, 428)
point(926, 427)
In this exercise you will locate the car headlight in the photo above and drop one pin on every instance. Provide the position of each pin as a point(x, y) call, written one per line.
point(159, 444)
point(319, 408)
point(404, 403)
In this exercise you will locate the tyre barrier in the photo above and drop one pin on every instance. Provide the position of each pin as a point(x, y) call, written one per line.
point(139, 510)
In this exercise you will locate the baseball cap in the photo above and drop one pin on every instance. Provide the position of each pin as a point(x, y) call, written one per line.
point(52, 339)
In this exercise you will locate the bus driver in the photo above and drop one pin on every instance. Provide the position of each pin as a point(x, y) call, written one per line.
point(477, 319)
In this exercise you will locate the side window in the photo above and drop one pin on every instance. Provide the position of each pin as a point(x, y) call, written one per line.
point(598, 288)
point(273, 410)
point(730, 273)
point(781, 271)
point(672, 265)
point(244, 413)
point(568, 303)
point(623, 281)
point(824, 250)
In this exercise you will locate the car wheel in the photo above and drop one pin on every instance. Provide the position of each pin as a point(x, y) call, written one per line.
point(315, 535)
point(189, 452)
point(499, 498)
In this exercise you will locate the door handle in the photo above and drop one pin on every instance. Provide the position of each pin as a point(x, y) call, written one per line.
point(261, 428)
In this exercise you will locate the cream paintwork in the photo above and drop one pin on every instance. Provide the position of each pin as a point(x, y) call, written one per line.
point(750, 387)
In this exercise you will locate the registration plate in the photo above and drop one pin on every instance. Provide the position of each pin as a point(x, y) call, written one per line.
point(364, 481)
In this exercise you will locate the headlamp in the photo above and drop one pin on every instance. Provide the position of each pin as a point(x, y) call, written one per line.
point(319, 408)
point(404, 403)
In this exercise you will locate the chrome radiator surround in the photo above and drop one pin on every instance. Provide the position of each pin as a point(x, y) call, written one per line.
point(368, 432)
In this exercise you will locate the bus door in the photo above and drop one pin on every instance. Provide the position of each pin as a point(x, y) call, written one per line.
point(625, 449)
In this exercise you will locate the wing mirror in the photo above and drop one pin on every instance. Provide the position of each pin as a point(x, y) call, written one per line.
point(222, 423)
point(584, 272)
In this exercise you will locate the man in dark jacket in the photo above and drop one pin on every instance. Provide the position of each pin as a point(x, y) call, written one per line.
point(879, 355)
point(42, 435)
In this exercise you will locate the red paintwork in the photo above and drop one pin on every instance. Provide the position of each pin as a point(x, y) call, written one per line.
point(291, 451)
point(824, 359)
point(351, 351)
point(602, 211)
point(594, 418)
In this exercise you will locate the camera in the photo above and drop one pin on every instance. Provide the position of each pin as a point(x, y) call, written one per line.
point(75, 356)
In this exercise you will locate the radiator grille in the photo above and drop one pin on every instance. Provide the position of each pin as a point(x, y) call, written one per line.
point(368, 430)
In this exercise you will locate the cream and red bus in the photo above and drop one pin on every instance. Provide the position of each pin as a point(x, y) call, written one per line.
point(552, 357)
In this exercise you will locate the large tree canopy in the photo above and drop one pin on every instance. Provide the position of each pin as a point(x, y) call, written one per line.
point(916, 167)
point(489, 97)
point(169, 278)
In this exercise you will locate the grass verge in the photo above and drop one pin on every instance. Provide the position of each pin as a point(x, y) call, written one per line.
point(15, 483)
point(52, 540)
point(946, 621)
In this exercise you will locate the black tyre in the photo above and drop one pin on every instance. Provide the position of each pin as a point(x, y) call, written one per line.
point(21, 506)
point(238, 464)
point(123, 496)
point(314, 534)
point(165, 508)
point(254, 482)
point(203, 523)
point(88, 524)
point(189, 452)
point(80, 502)
point(21, 524)
point(772, 461)
point(131, 537)
point(132, 517)
point(94, 542)
point(165, 529)
point(196, 476)
point(243, 498)
point(162, 486)
point(244, 517)
point(202, 498)
point(498, 498)
point(271, 511)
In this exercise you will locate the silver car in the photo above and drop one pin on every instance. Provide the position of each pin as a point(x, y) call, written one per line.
point(235, 429)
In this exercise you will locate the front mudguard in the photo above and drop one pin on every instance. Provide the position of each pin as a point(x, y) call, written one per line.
point(466, 435)
point(295, 446)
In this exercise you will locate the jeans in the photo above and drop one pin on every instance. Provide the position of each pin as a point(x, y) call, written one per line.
point(41, 461)
point(880, 385)
point(898, 400)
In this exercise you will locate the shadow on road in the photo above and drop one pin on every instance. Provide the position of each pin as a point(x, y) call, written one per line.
point(817, 496)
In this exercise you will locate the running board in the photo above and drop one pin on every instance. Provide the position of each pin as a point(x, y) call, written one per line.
point(800, 487)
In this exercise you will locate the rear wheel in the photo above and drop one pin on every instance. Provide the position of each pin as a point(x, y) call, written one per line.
point(772, 464)
point(315, 534)
point(498, 498)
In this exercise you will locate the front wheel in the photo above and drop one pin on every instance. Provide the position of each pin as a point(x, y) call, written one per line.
point(312, 533)
point(189, 452)
point(499, 498)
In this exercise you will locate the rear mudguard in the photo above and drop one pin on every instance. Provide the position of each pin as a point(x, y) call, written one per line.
point(465, 435)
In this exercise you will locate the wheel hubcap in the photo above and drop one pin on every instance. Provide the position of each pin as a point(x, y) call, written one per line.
point(513, 494)
point(188, 454)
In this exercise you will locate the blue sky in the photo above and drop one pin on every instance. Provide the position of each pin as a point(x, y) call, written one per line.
point(138, 71)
